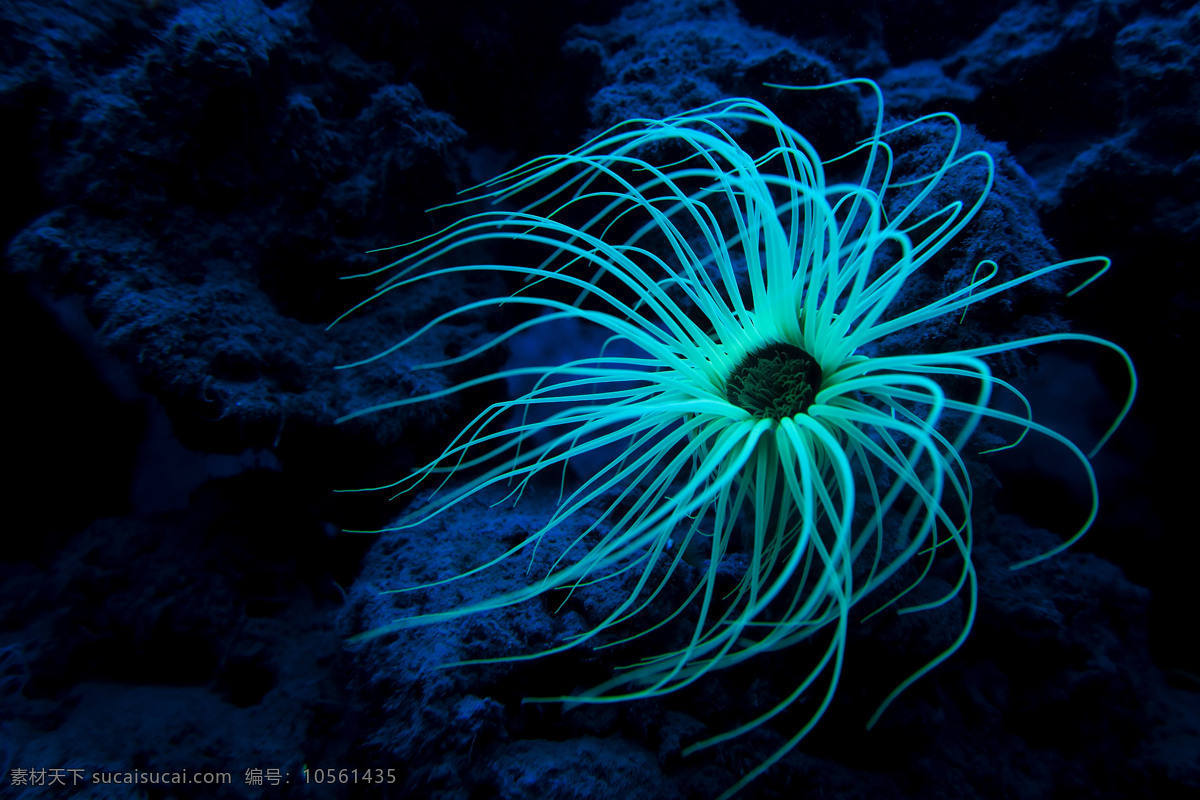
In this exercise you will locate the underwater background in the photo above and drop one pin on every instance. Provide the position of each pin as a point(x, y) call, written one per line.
point(187, 184)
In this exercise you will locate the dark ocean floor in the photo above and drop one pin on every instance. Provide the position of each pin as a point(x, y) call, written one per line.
point(188, 182)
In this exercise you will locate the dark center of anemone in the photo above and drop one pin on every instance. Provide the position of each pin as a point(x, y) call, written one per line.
point(776, 381)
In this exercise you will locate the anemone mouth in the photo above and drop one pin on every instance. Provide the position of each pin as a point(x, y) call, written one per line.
point(777, 381)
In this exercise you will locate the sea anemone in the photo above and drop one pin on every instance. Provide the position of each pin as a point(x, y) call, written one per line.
point(742, 402)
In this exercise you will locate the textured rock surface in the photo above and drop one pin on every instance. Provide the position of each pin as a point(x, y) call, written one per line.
point(188, 182)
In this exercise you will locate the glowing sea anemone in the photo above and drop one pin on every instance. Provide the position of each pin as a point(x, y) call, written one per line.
point(740, 403)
